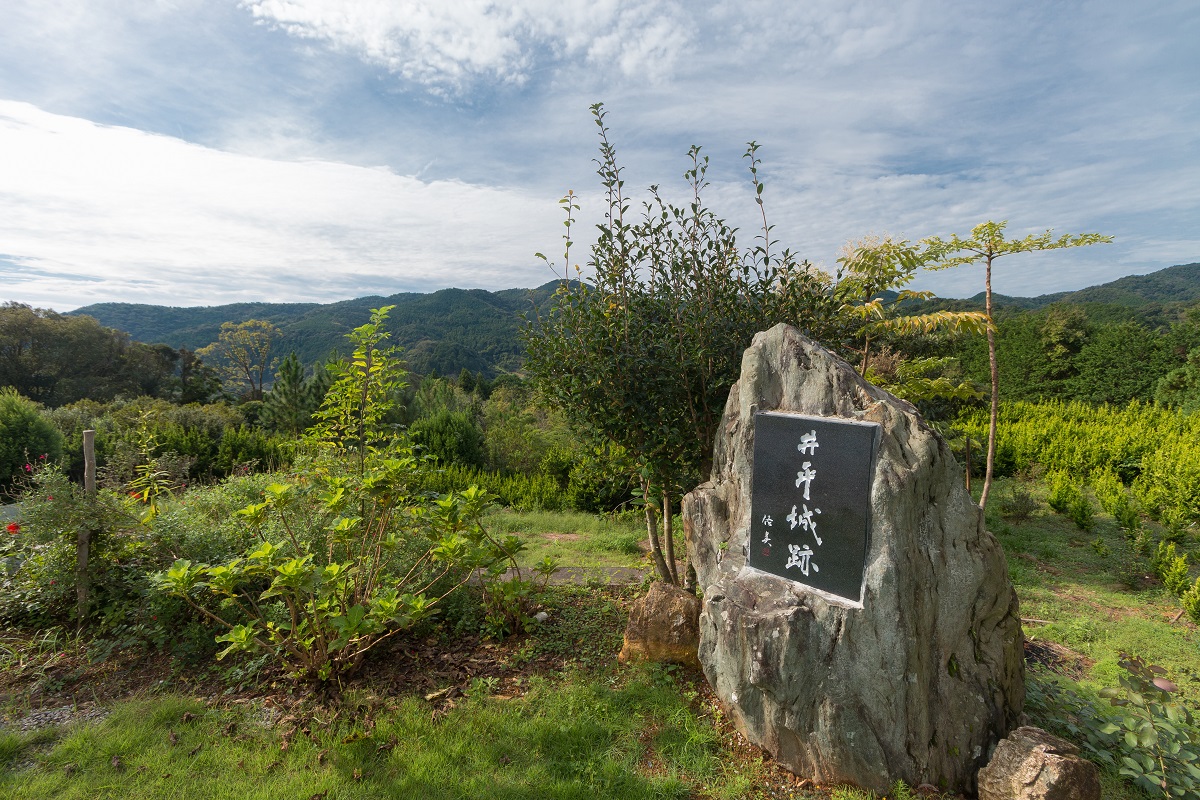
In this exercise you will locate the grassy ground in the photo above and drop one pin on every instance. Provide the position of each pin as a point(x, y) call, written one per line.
point(1087, 598)
point(545, 715)
point(1075, 591)
point(549, 715)
point(576, 539)
point(636, 737)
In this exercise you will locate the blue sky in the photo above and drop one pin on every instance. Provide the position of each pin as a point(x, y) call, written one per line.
point(199, 152)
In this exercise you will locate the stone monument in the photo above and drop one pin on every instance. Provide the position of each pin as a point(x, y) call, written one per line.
point(858, 621)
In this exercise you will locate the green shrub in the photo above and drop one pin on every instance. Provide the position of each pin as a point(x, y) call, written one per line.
point(1146, 734)
point(1153, 449)
point(1125, 512)
point(1082, 513)
point(1108, 489)
point(1062, 491)
point(602, 480)
point(360, 554)
point(243, 449)
point(1191, 602)
point(1171, 568)
point(39, 585)
point(26, 437)
point(1019, 505)
point(1157, 734)
point(536, 492)
point(452, 437)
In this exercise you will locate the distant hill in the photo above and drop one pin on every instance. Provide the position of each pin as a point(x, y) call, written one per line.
point(453, 329)
point(1178, 284)
point(445, 331)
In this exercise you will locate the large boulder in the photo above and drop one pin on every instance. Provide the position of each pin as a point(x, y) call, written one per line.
point(919, 677)
point(1031, 764)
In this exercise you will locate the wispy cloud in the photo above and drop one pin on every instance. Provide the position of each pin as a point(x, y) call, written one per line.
point(147, 218)
point(449, 47)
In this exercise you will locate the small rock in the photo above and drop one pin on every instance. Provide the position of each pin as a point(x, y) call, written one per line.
point(664, 627)
point(1034, 765)
point(542, 617)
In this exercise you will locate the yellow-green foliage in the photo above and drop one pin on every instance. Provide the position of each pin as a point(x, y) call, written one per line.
point(1160, 445)
point(1108, 488)
point(1191, 602)
point(1171, 568)
point(1061, 491)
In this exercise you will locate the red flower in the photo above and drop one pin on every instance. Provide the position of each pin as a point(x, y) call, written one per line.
point(13, 528)
point(29, 467)
point(42, 457)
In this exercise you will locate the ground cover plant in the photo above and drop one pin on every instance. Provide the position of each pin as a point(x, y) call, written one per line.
point(1114, 662)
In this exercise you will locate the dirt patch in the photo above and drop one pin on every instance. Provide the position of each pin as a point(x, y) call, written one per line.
point(50, 680)
point(1056, 658)
point(563, 537)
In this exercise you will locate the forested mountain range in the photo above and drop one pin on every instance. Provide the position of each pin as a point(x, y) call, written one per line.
point(445, 331)
point(454, 329)
point(1174, 285)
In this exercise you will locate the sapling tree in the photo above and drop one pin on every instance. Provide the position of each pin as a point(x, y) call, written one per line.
point(873, 265)
point(986, 244)
point(349, 551)
point(242, 353)
point(640, 350)
point(290, 404)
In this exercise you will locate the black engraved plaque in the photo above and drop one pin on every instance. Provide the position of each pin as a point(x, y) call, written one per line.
point(810, 500)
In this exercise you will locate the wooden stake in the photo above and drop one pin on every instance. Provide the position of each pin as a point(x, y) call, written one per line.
point(83, 540)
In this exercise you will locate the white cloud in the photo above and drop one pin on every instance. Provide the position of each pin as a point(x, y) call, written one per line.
point(449, 46)
point(95, 213)
point(917, 117)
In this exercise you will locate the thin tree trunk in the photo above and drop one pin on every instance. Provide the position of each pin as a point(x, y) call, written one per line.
point(83, 537)
point(995, 373)
point(968, 465)
point(669, 534)
point(656, 553)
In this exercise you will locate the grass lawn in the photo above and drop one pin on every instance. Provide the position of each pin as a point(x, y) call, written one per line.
point(579, 540)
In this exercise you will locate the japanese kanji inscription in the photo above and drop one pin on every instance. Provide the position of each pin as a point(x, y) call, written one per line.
point(810, 500)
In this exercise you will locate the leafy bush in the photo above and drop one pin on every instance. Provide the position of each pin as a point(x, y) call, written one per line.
point(1153, 449)
point(1191, 602)
point(602, 481)
point(1108, 489)
point(1171, 568)
point(39, 585)
point(452, 437)
point(1161, 742)
point(1146, 734)
point(26, 437)
point(1062, 491)
point(1082, 513)
point(1019, 505)
point(362, 556)
point(522, 492)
